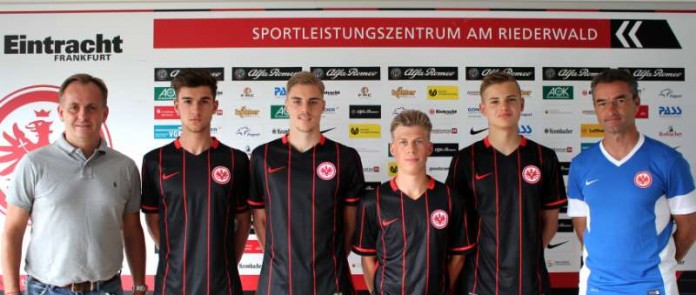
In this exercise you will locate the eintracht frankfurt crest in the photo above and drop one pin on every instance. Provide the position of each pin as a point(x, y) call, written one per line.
point(28, 120)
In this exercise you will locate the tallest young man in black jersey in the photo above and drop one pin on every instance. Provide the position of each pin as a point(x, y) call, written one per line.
point(514, 187)
point(304, 190)
point(194, 194)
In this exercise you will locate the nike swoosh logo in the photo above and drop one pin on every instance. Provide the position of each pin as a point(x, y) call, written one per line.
point(327, 130)
point(272, 170)
point(386, 223)
point(590, 182)
point(482, 176)
point(474, 132)
point(170, 175)
point(551, 246)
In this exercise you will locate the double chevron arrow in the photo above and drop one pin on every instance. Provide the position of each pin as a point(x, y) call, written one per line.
point(643, 34)
point(631, 34)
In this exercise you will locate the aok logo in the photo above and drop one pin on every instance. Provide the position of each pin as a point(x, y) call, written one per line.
point(558, 92)
point(28, 121)
point(279, 112)
point(165, 94)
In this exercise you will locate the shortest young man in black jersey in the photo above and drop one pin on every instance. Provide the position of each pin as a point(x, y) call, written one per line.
point(411, 231)
point(513, 187)
point(195, 198)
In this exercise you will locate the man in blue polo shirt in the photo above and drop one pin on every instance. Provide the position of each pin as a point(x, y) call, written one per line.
point(626, 194)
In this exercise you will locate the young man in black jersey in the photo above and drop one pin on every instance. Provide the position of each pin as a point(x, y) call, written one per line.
point(513, 188)
point(304, 190)
point(411, 231)
point(195, 193)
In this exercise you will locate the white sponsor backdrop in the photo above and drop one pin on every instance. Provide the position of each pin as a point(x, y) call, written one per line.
point(131, 78)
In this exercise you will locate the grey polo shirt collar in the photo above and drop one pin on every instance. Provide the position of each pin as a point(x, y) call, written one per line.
point(74, 152)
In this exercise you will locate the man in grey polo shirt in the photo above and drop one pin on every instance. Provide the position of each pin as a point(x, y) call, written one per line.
point(83, 200)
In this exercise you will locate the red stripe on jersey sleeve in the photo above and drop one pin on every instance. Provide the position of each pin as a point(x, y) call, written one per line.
point(351, 201)
point(149, 209)
point(364, 251)
point(555, 204)
point(462, 249)
point(256, 205)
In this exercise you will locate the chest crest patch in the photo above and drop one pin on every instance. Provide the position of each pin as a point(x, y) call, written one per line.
point(643, 179)
point(221, 175)
point(326, 171)
point(439, 219)
point(531, 174)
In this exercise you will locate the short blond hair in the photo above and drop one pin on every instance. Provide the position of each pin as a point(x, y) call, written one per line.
point(409, 118)
point(305, 78)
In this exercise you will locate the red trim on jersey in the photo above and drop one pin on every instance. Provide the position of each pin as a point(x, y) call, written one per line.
point(338, 185)
point(268, 216)
point(362, 225)
point(384, 245)
point(395, 187)
point(314, 220)
point(351, 200)
point(392, 184)
point(523, 141)
point(427, 237)
point(227, 222)
point(366, 250)
point(177, 143)
point(166, 224)
point(459, 249)
point(486, 142)
point(254, 203)
point(289, 181)
point(207, 262)
point(183, 183)
point(286, 137)
point(478, 234)
point(497, 222)
point(520, 213)
point(403, 253)
point(146, 207)
point(556, 203)
point(540, 250)
point(215, 143)
point(224, 244)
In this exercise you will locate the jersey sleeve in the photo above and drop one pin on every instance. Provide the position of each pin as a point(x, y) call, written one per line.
point(459, 239)
point(680, 188)
point(367, 226)
point(457, 176)
point(134, 202)
point(22, 191)
point(257, 181)
point(150, 194)
point(554, 193)
point(576, 201)
point(240, 187)
point(353, 182)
